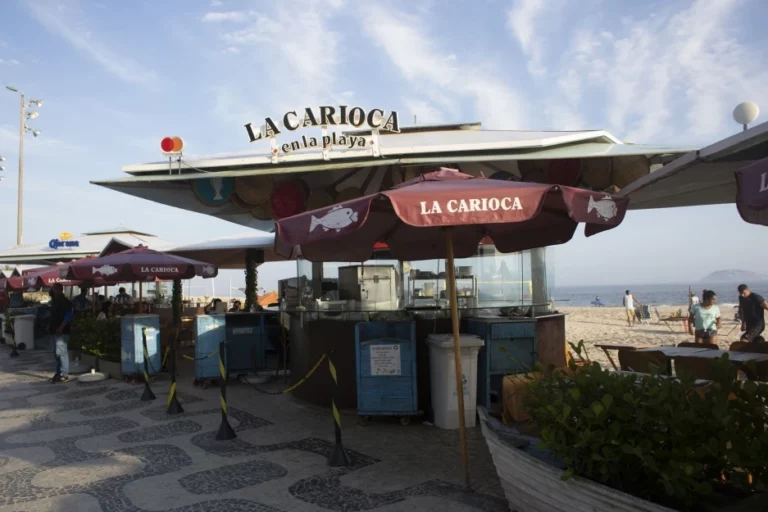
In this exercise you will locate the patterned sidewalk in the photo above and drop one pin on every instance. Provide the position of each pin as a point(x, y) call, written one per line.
point(97, 447)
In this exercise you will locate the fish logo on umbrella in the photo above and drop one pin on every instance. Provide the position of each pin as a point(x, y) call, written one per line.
point(217, 184)
point(105, 270)
point(208, 270)
point(337, 218)
point(605, 207)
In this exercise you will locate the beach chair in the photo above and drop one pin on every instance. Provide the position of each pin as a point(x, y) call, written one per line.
point(710, 346)
point(633, 361)
point(761, 368)
point(643, 314)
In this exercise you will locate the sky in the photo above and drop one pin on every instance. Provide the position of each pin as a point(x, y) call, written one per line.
point(116, 77)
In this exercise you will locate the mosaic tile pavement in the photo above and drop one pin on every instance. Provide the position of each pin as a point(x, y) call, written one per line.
point(97, 447)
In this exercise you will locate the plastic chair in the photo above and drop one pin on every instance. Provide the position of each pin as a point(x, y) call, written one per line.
point(761, 368)
point(699, 368)
point(711, 346)
point(634, 361)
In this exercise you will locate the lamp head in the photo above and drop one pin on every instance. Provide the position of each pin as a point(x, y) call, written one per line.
point(38, 103)
point(33, 115)
point(745, 112)
point(2, 168)
point(11, 88)
point(35, 132)
point(2, 158)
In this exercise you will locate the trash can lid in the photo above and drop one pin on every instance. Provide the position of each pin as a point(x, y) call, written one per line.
point(446, 340)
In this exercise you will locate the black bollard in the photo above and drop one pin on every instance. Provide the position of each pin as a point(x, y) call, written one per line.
point(173, 406)
point(15, 353)
point(148, 394)
point(225, 429)
point(339, 455)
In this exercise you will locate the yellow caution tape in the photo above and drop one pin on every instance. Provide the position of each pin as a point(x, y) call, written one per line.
point(223, 405)
point(308, 375)
point(222, 370)
point(185, 356)
point(336, 415)
point(171, 394)
point(165, 356)
point(332, 369)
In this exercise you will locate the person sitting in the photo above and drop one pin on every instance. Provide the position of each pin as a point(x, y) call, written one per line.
point(210, 309)
point(81, 303)
point(105, 311)
point(236, 307)
point(705, 317)
point(122, 298)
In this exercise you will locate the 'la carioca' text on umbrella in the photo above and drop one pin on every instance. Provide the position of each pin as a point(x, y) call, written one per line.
point(484, 204)
point(160, 270)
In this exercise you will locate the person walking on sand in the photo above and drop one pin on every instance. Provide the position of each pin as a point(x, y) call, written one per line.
point(752, 313)
point(705, 318)
point(629, 305)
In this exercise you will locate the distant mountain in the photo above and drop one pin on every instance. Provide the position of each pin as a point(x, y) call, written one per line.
point(734, 276)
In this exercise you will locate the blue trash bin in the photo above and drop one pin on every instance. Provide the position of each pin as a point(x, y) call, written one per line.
point(386, 369)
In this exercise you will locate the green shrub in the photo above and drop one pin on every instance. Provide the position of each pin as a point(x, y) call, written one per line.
point(655, 437)
point(98, 337)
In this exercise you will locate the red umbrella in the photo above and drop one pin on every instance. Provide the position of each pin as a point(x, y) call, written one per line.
point(514, 215)
point(138, 264)
point(752, 195)
point(445, 214)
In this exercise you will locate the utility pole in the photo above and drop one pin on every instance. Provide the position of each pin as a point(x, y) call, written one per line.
point(24, 114)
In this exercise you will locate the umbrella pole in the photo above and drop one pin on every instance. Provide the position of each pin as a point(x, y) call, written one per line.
point(451, 272)
point(141, 298)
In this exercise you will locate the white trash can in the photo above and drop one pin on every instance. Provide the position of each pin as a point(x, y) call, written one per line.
point(442, 377)
point(24, 330)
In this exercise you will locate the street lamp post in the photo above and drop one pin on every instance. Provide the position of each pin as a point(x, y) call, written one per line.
point(24, 114)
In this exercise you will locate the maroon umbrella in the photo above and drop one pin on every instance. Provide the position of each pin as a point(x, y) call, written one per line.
point(515, 215)
point(752, 195)
point(138, 264)
point(447, 213)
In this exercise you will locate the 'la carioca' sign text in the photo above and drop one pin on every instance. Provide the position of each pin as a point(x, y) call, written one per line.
point(375, 119)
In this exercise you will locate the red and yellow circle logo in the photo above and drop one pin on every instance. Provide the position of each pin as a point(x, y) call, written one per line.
point(172, 145)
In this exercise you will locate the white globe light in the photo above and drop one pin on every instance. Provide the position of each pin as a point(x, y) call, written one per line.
point(745, 112)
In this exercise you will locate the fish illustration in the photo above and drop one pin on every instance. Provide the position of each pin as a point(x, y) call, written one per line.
point(105, 270)
point(337, 218)
point(125, 355)
point(605, 207)
point(217, 184)
point(208, 270)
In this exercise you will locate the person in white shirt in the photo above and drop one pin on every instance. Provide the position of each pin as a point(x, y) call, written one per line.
point(629, 305)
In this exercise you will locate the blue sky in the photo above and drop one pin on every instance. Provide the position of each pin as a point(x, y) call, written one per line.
point(118, 76)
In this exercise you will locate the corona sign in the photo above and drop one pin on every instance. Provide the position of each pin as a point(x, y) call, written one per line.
point(65, 239)
point(171, 145)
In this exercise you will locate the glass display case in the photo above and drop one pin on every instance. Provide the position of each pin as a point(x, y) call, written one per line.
point(490, 280)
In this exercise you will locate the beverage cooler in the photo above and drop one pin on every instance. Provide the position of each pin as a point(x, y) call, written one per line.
point(246, 343)
point(132, 348)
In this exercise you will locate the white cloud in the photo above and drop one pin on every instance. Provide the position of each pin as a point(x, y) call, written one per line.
point(9, 141)
point(64, 23)
point(521, 19)
point(9, 61)
point(424, 111)
point(238, 16)
point(293, 49)
point(448, 81)
point(216, 3)
point(674, 74)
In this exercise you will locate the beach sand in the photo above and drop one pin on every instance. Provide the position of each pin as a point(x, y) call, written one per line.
point(608, 325)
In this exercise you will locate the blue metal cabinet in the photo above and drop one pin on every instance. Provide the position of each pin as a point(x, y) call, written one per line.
point(245, 343)
point(510, 347)
point(132, 350)
point(386, 369)
point(210, 331)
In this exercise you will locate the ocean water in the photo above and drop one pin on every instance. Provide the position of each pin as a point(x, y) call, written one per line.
point(653, 294)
